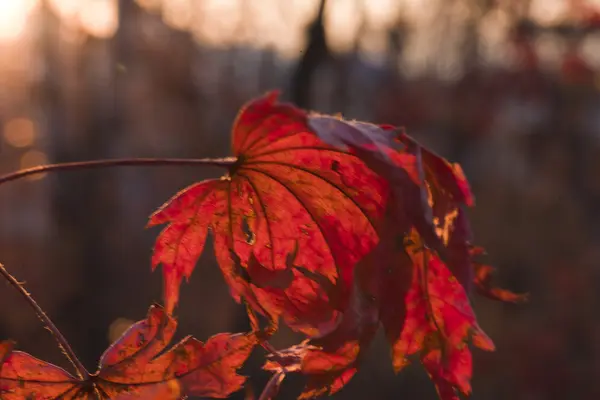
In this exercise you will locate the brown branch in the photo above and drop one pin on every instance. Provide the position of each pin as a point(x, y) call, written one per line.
point(119, 162)
point(62, 342)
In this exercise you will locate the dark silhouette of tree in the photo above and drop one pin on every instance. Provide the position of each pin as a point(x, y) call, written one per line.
point(314, 55)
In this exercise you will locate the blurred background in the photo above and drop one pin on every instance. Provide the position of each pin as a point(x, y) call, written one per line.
point(508, 88)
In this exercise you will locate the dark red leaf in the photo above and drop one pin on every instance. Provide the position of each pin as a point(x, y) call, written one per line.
point(428, 240)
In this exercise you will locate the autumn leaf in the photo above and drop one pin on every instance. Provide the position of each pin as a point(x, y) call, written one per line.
point(287, 190)
point(377, 294)
point(5, 349)
point(136, 366)
point(407, 283)
point(423, 309)
point(25, 377)
point(339, 227)
point(439, 324)
point(398, 163)
point(327, 372)
point(483, 282)
point(430, 192)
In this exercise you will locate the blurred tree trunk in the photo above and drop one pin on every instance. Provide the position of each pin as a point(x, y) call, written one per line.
point(314, 55)
point(84, 122)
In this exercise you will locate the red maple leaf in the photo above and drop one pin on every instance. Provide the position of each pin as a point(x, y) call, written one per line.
point(287, 191)
point(423, 309)
point(430, 192)
point(135, 366)
point(439, 323)
point(408, 282)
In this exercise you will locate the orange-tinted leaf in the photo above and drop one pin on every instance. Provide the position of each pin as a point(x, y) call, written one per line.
point(135, 366)
point(6, 348)
point(327, 371)
point(201, 369)
point(483, 281)
point(445, 176)
point(23, 376)
point(288, 190)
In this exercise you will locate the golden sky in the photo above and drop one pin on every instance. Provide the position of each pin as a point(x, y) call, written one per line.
point(279, 24)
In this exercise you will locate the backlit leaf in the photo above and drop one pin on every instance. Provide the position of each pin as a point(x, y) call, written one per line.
point(136, 366)
point(288, 190)
point(407, 283)
point(339, 227)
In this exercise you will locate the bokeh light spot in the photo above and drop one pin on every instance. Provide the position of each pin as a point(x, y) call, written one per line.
point(19, 132)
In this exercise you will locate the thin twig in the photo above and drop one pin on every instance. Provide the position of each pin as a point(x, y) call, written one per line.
point(277, 378)
point(62, 342)
point(267, 393)
point(118, 162)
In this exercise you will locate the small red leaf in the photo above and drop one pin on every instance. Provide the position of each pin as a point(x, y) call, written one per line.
point(23, 377)
point(483, 281)
point(135, 366)
point(327, 372)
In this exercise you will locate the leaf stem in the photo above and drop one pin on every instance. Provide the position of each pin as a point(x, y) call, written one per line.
point(271, 388)
point(268, 391)
point(62, 342)
point(118, 162)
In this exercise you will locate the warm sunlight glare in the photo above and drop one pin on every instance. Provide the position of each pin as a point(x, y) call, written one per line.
point(217, 21)
point(381, 13)
point(19, 132)
point(274, 23)
point(13, 17)
point(150, 5)
point(548, 11)
point(100, 18)
point(67, 9)
point(178, 13)
point(343, 19)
